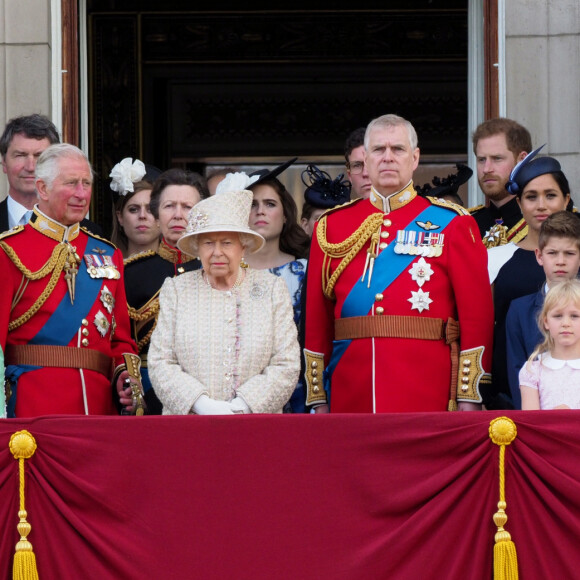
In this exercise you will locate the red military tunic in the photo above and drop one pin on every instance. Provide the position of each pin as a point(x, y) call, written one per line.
point(388, 373)
point(35, 302)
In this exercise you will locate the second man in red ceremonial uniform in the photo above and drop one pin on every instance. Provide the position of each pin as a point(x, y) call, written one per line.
point(398, 310)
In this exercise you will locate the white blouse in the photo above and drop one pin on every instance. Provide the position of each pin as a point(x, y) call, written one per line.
point(497, 257)
point(224, 343)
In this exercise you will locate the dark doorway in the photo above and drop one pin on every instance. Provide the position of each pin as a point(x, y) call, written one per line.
point(176, 86)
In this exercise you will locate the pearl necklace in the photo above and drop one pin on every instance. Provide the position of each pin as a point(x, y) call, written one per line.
point(237, 283)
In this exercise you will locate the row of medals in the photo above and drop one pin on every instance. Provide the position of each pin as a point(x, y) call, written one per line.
point(419, 244)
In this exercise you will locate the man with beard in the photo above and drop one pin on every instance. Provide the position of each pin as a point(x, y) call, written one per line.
point(499, 144)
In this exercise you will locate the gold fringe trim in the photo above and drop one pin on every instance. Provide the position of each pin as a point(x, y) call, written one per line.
point(22, 446)
point(502, 432)
point(347, 249)
point(53, 266)
point(140, 317)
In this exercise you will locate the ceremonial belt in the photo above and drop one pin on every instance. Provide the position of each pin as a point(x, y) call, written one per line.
point(42, 355)
point(387, 326)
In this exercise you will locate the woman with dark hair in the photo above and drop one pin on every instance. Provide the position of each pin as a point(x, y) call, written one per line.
point(541, 189)
point(174, 194)
point(135, 229)
point(274, 215)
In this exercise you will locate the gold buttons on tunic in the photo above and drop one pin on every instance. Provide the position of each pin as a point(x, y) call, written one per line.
point(378, 297)
point(383, 245)
point(387, 222)
point(379, 309)
point(85, 322)
point(85, 332)
point(85, 342)
point(314, 364)
point(385, 235)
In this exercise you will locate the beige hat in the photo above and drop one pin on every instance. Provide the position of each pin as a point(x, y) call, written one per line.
point(226, 211)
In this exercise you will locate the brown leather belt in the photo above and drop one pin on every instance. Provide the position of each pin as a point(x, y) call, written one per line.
point(387, 326)
point(42, 355)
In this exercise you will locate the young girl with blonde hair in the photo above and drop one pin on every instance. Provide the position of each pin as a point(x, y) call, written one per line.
point(551, 377)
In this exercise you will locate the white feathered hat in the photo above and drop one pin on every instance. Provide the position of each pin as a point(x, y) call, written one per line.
point(226, 211)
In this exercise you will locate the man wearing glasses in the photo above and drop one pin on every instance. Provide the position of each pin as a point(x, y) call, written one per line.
point(354, 153)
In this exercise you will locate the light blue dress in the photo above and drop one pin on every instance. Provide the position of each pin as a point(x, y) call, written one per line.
point(293, 274)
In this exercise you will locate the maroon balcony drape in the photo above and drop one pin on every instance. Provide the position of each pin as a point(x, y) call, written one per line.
point(292, 497)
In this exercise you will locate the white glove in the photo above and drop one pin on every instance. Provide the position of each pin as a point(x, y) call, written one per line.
point(238, 405)
point(206, 406)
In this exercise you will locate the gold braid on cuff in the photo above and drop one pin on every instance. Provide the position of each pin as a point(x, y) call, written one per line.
point(471, 375)
point(314, 365)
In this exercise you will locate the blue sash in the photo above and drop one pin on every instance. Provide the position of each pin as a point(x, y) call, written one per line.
point(389, 266)
point(65, 321)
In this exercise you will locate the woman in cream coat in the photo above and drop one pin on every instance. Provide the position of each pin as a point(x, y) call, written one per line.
point(225, 341)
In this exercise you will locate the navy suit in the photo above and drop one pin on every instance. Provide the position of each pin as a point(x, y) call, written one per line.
point(89, 225)
point(4, 215)
point(522, 337)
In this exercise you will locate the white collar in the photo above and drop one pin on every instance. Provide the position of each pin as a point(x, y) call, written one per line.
point(557, 363)
point(15, 211)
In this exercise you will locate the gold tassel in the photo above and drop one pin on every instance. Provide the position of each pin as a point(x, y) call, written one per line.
point(502, 432)
point(23, 445)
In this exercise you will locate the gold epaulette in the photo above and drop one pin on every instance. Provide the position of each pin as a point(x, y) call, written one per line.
point(14, 230)
point(341, 206)
point(92, 235)
point(347, 249)
point(459, 209)
point(475, 208)
point(139, 256)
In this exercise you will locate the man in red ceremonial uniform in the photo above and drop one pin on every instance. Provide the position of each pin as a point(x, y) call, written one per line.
point(64, 326)
point(399, 310)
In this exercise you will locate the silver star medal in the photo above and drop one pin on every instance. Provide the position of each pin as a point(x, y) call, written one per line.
point(101, 323)
point(421, 272)
point(107, 299)
point(420, 300)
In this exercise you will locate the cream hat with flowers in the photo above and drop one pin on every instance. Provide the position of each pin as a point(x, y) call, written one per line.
point(226, 211)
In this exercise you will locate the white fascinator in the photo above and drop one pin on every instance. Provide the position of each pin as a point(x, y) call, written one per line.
point(125, 174)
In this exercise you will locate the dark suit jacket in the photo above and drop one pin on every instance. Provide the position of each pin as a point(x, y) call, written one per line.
point(522, 337)
point(89, 225)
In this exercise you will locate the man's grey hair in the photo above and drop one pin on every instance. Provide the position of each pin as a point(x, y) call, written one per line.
point(47, 165)
point(392, 121)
